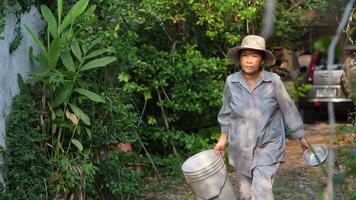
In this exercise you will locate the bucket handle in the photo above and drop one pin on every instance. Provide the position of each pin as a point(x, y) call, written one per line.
point(216, 196)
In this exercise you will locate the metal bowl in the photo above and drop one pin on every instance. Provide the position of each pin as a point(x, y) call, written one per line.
point(317, 157)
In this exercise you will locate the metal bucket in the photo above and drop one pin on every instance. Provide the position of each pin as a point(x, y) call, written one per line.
point(316, 155)
point(206, 175)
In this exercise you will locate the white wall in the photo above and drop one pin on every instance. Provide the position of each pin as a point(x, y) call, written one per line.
point(16, 63)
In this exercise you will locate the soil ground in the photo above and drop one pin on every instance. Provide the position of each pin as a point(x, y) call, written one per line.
point(294, 181)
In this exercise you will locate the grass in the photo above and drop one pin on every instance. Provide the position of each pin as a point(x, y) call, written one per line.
point(297, 184)
point(172, 184)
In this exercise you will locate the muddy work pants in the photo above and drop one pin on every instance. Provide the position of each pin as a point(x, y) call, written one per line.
point(259, 186)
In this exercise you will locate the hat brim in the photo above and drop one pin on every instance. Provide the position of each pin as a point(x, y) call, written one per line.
point(233, 54)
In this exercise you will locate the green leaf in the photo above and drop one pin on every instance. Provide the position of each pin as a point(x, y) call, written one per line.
point(37, 40)
point(151, 120)
point(125, 77)
point(68, 61)
point(77, 144)
point(21, 82)
point(91, 95)
point(59, 10)
point(82, 116)
point(61, 94)
point(95, 42)
point(85, 49)
point(73, 13)
point(117, 27)
point(54, 52)
point(70, 74)
point(50, 19)
point(90, 10)
point(98, 63)
point(99, 52)
point(40, 58)
point(76, 51)
point(89, 133)
point(147, 95)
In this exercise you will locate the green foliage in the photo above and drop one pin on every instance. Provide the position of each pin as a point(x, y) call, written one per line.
point(116, 120)
point(350, 31)
point(346, 159)
point(346, 170)
point(2, 20)
point(323, 43)
point(188, 79)
point(71, 175)
point(19, 7)
point(16, 42)
point(187, 143)
point(295, 18)
point(26, 166)
point(22, 5)
point(298, 88)
point(169, 57)
point(65, 61)
point(185, 65)
point(115, 178)
point(171, 166)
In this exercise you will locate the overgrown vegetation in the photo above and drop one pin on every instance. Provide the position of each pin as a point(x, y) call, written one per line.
point(149, 73)
point(26, 167)
point(346, 135)
point(18, 8)
point(346, 159)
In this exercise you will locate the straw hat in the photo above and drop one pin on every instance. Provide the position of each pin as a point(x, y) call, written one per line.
point(254, 42)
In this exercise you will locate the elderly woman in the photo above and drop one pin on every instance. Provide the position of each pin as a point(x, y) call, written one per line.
point(255, 113)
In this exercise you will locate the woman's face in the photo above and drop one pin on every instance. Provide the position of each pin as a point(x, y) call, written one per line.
point(251, 61)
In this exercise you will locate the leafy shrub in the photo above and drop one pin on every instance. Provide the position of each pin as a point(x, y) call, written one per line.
point(171, 166)
point(26, 166)
point(116, 120)
point(115, 179)
point(172, 48)
point(65, 60)
point(187, 143)
point(346, 168)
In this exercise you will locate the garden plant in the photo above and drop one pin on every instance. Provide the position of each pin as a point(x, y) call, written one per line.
point(149, 73)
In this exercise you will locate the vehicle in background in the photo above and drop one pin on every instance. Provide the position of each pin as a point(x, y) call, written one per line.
point(326, 87)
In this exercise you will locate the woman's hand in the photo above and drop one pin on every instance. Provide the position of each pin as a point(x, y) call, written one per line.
point(220, 145)
point(303, 143)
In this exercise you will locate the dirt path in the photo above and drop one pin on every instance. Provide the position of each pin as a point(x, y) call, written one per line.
point(294, 181)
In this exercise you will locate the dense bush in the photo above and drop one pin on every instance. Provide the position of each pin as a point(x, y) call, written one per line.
point(26, 165)
point(115, 180)
point(160, 89)
point(115, 121)
point(171, 54)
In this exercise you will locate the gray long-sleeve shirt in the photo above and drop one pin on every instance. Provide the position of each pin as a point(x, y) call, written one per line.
point(255, 120)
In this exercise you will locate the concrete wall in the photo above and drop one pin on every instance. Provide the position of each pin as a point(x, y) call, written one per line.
point(17, 62)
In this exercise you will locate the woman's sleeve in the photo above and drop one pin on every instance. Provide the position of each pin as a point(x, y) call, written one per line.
point(225, 110)
point(291, 116)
